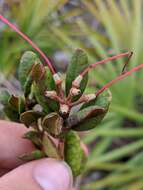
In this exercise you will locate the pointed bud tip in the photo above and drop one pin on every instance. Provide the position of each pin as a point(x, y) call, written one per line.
point(50, 94)
point(90, 97)
point(77, 81)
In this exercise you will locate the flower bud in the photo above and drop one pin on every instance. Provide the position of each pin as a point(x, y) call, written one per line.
point(74, 91)
point(57, 78)
point(90, 97)
point(77, 81)
point(64, 109)
point(50, 94)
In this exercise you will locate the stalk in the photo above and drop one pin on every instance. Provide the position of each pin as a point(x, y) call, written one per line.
point(120, 77)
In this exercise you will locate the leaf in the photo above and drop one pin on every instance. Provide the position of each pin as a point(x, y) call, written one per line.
point(34, 136)
point(27, 86)
point(34, 155)
point(78, 63)
point(91, 113)
point(49, 147)
point(37, 72)
point(73, 152)
point(13, 101)
point(40, 98)
point(45, 83)
point(27, 61)
point(87, 118)
point(11, 113)
point(34, 75)
point(10, 103)
point(21, 105)
point(52, 123)
point(17, 103)
point(29, 118)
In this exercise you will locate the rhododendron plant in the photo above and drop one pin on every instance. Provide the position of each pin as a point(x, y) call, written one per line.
point(55, 113)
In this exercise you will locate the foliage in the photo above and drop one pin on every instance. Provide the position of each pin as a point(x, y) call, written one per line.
point(55, 121)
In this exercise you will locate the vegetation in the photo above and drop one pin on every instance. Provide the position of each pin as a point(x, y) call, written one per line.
point(113, 27)
point(102, 29)
point(55, 118)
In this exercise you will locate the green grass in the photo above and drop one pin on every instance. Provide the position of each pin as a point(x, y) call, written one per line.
point(35, 20)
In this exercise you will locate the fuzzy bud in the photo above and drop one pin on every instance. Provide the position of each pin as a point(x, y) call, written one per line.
point(74, 91)
point(90, 97)
point(57, 78)
point(64, 109)
point(50, 94)
point(77, 81)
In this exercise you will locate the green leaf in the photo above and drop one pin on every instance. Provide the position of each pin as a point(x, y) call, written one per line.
point(34, 137)
point(14, 102)
point(11, 113)
point(91, 113)
point(21, 105)
point(30, 118)
point(37, 72)
point(74, 154)
point(17, 103)
point(27, 86)
point(41, 100)
point(34, 75)
point(52, 123)
point(45, 83)
point(86, 119)
point(26, 63)
point(49, 147)
point(34, 155)
point(78, 63)
point(10, 103)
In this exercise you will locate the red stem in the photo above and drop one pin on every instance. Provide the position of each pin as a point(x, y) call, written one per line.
point(104, 61)
point(118, 79)
point(29, 41)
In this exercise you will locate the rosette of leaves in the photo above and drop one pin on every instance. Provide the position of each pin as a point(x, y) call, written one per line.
point(54, 134)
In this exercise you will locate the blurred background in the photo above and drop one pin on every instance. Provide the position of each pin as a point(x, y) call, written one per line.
point(102, 28)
